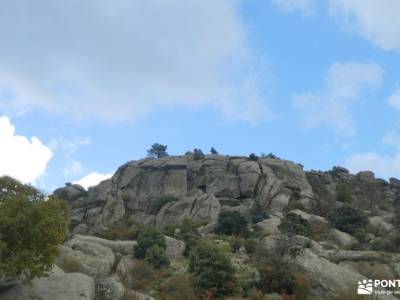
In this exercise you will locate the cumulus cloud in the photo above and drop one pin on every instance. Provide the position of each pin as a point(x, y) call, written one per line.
point(92, 179)
point(394, 99)
point(20, 157)
point(377, 21)
point(306, 7)
point(119, 60)
point(383, 165)
point(344, 84)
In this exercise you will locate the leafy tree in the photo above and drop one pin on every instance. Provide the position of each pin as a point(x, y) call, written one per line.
point(157, 150)
point(294, 224)
point(213, 151)
point(31, 227)
point(212, 270)
point(148, 238)
point(348, 219)
point(253, 157)
point(232, 223)
point(198, 154)
point(156, 257)
point(343, 192)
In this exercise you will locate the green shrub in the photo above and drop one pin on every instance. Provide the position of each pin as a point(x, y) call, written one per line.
point(158, 203)
point(343, 192)
point(30, 229)
point(232, 223)
point(293, 224)
point(278, 276)
point(148, 238)
point(156, 257)
point(348, 219)
point(212, 270)
point(122, 232)
point(258, 213)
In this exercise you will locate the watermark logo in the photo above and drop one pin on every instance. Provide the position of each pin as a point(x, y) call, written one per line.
point(379, 287)
point(365, 287)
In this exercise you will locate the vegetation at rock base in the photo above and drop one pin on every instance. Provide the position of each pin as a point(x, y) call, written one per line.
point(31, 227)
point(293, 224)
point(343, 192)
point(232, 223)
point(258, 213)
point(156, 257)
point(151, 247)
point(212, 270)
point(348, 219)
point(157, 151)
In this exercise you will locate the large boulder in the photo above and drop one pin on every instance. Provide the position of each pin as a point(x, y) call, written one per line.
point(109, 289)
point(85, 257)
point(175, 248)
point(200, 208)
point(71, 286)
point(118, 247)
point(326, 277)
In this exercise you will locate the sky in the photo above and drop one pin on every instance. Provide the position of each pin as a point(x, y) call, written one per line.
point(86, 86)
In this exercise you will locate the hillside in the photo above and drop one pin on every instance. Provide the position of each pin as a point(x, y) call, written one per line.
point(328, 229)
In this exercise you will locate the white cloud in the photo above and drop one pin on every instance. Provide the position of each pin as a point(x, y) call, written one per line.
point(73, 168)
point(92, 179)
point(394, 99)
point(384, 166)
point(344, 84)
point(306, 7)
point(119, 60)
point(20, 157)
point(377, 21)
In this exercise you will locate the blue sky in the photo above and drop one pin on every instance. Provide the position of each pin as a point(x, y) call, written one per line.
point(86, 87)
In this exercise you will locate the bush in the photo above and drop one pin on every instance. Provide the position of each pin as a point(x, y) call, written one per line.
point(343, 192)
point(158, 203)
point(148, 238)
point(348, 219)
point(231, 223)
point(156, 257)
point(253, 157)
point(294, 224)
point(141, 275)
point(198, 154)
point(157, 151)
point(278, 276)
point(178, 287)
point(212, 270)
point(122, 232)
point(258, 213)
point(30, 229)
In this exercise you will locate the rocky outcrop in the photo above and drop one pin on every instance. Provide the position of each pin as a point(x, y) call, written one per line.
point(201, 187)
point(71, 286)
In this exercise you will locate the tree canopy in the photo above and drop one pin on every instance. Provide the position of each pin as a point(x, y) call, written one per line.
point(31, 227)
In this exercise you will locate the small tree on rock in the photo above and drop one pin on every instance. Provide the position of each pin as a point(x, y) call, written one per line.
point(157, 151)
point(213, 151)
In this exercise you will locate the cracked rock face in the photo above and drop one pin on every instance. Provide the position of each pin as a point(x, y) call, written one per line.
point(200, 189)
